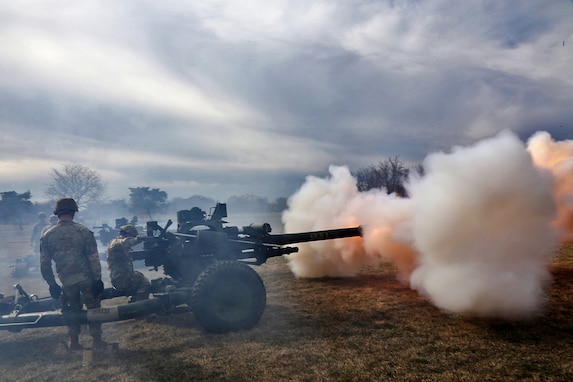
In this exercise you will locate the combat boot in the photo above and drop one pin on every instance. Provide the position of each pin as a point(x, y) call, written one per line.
point(74, 343)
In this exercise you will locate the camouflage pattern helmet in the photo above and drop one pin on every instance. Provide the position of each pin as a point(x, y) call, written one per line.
point(128, 230)
point(65, 205)
point(41, 215)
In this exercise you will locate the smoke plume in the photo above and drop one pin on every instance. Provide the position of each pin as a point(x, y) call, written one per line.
point(475, 236)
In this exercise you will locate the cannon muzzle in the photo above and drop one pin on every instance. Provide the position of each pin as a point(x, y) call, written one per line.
point(302, 237)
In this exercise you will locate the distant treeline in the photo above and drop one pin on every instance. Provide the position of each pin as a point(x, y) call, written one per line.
point(87, 188)
point(17, 209)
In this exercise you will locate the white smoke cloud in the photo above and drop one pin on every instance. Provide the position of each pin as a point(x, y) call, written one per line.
point(475, 237)
point(483, 227)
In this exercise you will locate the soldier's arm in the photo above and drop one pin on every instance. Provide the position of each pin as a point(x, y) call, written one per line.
point(46, 263)
point(132, 241)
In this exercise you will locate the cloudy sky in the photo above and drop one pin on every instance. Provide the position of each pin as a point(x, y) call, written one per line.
point(222, 98)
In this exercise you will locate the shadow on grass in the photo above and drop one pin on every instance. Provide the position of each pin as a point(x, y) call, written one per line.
point(20, 351)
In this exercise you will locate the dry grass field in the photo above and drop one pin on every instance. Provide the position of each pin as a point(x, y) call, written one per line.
point(369, 328)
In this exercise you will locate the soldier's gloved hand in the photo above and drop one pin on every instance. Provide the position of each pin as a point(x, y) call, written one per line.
point(97, 287)
point(55, 291)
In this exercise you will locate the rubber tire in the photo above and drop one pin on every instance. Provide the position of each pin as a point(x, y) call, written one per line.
point(228, 296)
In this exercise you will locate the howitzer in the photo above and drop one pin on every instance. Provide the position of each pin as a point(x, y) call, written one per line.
point(22, 302)
point(105, 233)
point(209, 269)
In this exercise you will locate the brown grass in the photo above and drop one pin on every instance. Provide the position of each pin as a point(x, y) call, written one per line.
point(368, 328)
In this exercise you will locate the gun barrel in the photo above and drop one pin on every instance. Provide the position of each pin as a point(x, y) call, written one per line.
point(302, 237)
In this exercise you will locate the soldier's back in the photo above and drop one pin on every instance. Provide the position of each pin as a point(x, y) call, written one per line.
point(66, 245)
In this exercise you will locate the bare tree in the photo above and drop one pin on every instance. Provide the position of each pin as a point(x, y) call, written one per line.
point(368, 178)
point(389, 174)
point(78, 182)
point(419, 170)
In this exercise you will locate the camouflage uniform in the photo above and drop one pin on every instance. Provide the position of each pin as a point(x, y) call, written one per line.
point(74, 250)
point(120, 264)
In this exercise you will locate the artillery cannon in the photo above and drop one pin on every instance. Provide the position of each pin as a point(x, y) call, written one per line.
point(209, 269)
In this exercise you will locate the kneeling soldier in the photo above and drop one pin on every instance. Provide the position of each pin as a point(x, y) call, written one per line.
point(120, 264)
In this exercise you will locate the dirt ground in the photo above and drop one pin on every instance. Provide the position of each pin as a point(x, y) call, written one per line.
point(368, 328)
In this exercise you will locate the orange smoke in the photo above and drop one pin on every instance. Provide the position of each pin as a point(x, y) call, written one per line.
point(558, 158)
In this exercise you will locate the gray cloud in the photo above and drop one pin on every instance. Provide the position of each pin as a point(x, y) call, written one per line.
point(222, 98)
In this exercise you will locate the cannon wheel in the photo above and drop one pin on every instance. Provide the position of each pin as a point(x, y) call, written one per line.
point(228, 296)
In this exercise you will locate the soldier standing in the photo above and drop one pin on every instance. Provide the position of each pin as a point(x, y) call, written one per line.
point(73, 248)
point(37, 233)
point(120, 264)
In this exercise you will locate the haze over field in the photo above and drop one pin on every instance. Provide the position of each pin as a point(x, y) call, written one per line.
point(223, 98)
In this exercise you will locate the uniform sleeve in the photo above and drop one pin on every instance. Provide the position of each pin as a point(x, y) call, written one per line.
point(93, 256)
point(132, 241)
point(46, 262)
